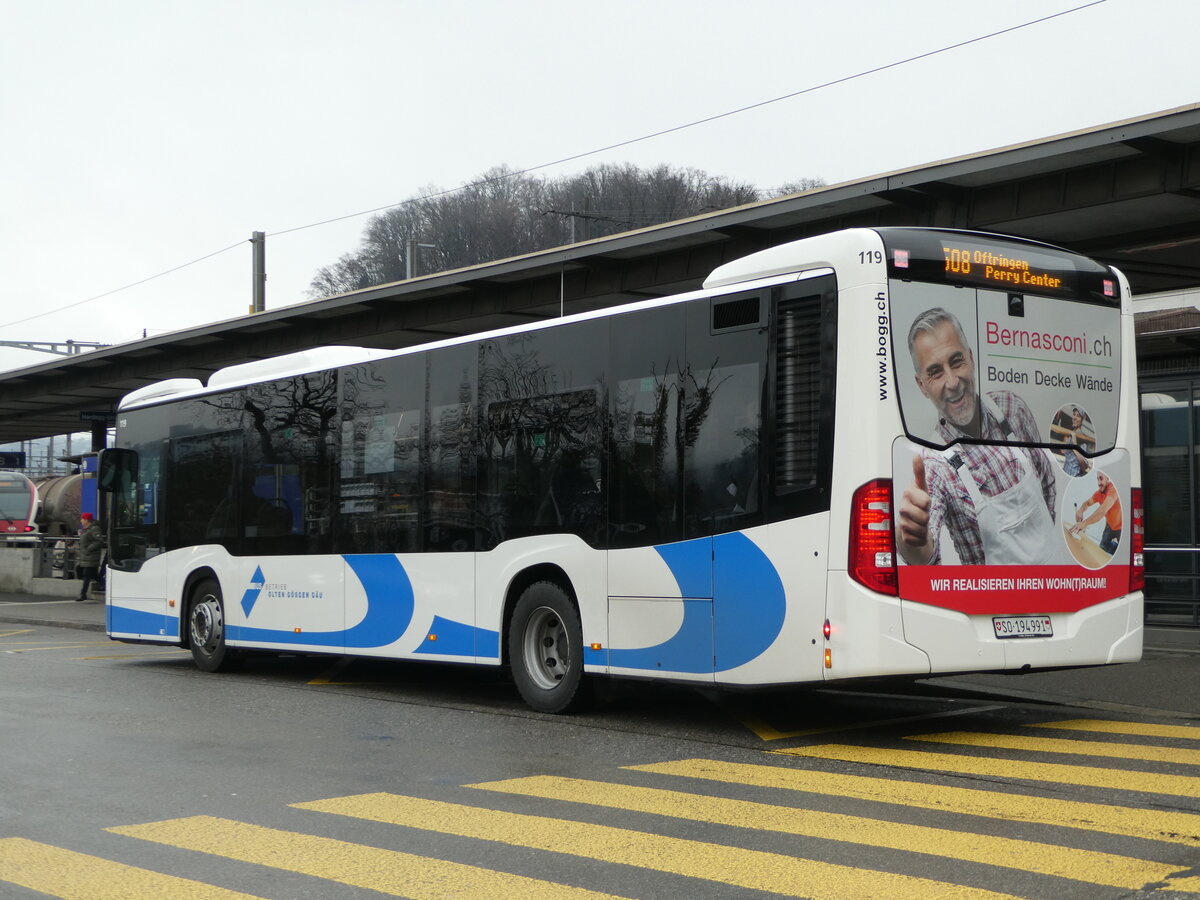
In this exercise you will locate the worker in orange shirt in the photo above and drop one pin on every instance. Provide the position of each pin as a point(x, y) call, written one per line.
point(1108, 507)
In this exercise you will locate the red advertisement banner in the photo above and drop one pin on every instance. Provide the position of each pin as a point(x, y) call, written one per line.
point(1012, 590)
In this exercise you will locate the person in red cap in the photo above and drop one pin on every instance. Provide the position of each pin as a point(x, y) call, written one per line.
point(91, 548)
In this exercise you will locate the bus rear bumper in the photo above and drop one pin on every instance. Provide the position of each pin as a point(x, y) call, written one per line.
point(1108, 632)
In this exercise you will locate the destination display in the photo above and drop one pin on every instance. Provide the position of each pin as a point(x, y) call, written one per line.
point(1012, 265)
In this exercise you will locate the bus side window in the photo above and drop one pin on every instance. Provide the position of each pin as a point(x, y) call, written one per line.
point(645, 459)
point(450, 520)
point(723, 384)
point(380, 482)
point(203, 482)
point(542, 433)
point(287, 446)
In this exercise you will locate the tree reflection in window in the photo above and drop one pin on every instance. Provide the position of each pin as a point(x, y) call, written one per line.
point(282, 501)
point(542, 439)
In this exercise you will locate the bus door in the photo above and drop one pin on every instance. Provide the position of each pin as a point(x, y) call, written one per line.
point(136, 572)
point(660, 609)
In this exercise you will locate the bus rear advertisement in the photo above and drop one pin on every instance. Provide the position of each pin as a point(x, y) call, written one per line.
point(873, 453)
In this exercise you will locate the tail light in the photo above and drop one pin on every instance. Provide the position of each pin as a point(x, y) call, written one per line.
point(1137, 556)
point(872, 561)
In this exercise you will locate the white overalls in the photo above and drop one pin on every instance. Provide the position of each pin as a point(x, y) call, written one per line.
point(1015, 525)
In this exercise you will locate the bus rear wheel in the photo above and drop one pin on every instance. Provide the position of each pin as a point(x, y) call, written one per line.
point(206, 628)
point(545, 649)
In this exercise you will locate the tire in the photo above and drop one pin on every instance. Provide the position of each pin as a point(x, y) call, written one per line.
point(206, 628)
point(545, 650)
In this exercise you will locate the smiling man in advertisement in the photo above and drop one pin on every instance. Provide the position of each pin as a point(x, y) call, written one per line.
point(997, 501)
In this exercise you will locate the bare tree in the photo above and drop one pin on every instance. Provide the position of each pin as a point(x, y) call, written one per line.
point(503, 213)
point(798, 186)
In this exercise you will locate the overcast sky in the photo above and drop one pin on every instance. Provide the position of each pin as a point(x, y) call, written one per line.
point(139, 135)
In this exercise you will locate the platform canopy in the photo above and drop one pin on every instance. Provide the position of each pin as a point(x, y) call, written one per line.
point(1127, 193)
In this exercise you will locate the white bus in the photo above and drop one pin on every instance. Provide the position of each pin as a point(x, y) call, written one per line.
point(879, 452)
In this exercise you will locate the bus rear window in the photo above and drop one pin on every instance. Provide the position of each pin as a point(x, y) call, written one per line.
point(980, 365)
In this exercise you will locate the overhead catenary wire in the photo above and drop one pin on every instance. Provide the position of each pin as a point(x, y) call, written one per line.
point(126, 287)
point(578, 156)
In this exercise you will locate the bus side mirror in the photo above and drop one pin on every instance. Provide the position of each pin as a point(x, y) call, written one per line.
point(118, 467)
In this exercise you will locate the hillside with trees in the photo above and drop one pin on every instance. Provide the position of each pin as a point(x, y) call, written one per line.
point(503, 213)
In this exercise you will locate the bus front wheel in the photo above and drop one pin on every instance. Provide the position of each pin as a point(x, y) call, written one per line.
point(545, 649)
point(206, 628)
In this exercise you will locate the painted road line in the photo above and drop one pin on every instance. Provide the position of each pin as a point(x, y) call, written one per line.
point(43, 649)
point(77, 876)
point(1111, 750)
point(5, 634)
point(387, 871)
point(754, 869)
point(331, 676)
point(1085, 776)
point(1028, 856)
point(177, 652)
point(1155, 825)
point(1142, 729)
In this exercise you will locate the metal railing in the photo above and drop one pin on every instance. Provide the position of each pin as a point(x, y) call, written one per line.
point(50, 556)
point(1173, 586)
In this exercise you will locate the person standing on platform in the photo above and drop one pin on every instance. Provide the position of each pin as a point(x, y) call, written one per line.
point(91, 549)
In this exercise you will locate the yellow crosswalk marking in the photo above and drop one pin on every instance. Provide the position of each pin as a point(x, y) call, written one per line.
point(65, 645)
point(77, 876)
point(1157, 825)
point(1056, 745)
point(1029, 856)
point(1105, 726)
point(738, 866)
point(1086, 776)
point(387, 871)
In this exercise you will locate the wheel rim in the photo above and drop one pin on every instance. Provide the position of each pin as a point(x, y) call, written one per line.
point(208, 624)
point(546, 648)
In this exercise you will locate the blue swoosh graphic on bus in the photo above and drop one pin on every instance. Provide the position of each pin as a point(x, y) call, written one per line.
point(691, 562)
point(136, 621)
point(690, 648)
point(746, 614)
point(749, 603)
point(459, 639)
point(389, 600)
point(389, 610)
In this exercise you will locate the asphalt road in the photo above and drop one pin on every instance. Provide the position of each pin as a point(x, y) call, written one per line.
point(129, 774)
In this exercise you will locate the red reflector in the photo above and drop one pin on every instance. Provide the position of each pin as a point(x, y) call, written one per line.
point(872, 561)
point(1137, 556)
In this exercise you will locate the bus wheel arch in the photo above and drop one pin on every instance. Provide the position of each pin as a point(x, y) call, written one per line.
point(204, 623)
point(185, 601)
point(544, 640)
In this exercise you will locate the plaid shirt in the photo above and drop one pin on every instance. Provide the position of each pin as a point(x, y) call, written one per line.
point(993, 468)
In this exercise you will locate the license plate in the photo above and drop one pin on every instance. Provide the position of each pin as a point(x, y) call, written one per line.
point(1022, 626)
